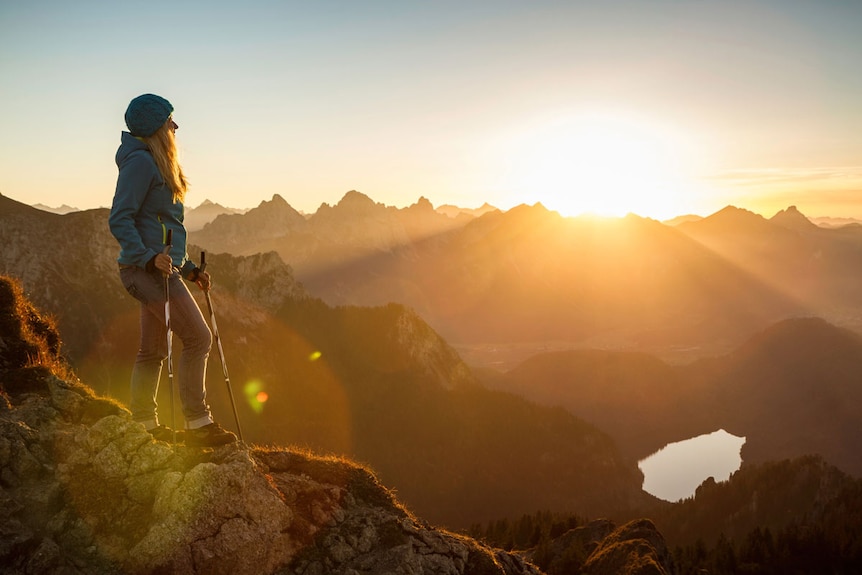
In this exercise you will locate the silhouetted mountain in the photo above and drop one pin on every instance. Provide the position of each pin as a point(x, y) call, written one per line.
point(207, 211)
point(805, 493)
point(232, 232)
point(63, 209)
point(456, 212)
point(819, 268)
point(354, 228)
point(793, 219)
point(530, 275)
point(682, 219)
point(830, 222)
point(377, 384)
point(791, 390)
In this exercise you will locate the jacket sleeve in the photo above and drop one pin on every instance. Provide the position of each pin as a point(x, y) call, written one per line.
point(187, 271)
point(133, 184)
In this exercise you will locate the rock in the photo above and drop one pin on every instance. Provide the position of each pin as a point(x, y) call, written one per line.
point(636, 548)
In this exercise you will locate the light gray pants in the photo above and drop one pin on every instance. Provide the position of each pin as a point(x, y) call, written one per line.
point(189, 325)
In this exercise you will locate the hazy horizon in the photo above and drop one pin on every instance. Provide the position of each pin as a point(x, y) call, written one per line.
point(437, 206)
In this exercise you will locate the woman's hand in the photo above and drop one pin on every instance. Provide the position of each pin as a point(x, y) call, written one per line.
point(163, 263)
point(203, 280)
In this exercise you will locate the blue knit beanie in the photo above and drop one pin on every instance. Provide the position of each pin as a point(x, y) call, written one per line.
point(146, 114)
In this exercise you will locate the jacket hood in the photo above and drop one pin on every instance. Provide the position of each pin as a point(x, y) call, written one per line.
point(128, 144)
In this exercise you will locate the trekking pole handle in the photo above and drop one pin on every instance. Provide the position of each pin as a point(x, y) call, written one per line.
point(168, 245)
point(203, 261)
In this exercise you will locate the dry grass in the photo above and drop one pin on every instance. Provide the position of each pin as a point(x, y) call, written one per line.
point(29, 339)
point(30, 355)
point(331, 469)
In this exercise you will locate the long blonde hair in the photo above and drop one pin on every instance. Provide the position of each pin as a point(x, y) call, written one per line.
point(163, 146)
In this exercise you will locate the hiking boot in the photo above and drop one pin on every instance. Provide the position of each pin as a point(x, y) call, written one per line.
point(210, 435)
point(165, 433)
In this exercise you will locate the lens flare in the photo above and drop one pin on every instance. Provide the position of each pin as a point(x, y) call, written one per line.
point(255, 395)
point(314, 356)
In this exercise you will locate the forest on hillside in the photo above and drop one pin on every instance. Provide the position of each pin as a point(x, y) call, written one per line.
point(797, 530)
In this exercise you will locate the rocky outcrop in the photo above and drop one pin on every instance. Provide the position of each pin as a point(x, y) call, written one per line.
point(429, 351)
point(84, 489)
point(601, 548)
point(636, 548)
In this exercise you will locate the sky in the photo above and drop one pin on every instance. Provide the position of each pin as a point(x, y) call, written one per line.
point(657, 107)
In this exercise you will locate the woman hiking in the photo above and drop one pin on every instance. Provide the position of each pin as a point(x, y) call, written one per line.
point(147, 209)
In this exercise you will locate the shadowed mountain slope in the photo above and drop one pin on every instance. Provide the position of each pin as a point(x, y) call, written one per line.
point(643, 402)
point(820, 268)
point(801, 494)
point(791, 390)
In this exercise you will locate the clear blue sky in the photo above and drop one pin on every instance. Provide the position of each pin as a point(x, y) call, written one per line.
point(685, 106)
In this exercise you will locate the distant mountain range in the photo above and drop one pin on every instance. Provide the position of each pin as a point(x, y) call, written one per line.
point(531, 275)
point(64, 209)
point(198, 216)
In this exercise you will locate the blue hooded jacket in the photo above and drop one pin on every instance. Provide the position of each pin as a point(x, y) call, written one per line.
point(143, 210)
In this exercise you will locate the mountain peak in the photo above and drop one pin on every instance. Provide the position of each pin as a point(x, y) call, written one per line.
point(793, 219)
point(735, 212)
point(354, 198)
point(424, 204)
point(729, 219)
point(796, 338)
point(276, 200)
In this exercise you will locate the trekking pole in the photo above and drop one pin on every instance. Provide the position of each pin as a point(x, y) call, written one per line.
point(167, 250)
point(219, 346)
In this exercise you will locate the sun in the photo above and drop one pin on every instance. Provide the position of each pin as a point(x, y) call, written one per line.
point(602, 164)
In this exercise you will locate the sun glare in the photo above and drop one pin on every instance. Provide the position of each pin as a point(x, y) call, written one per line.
point(608, 165)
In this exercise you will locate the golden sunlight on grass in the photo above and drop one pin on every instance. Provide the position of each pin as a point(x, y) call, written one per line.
point(603, 164)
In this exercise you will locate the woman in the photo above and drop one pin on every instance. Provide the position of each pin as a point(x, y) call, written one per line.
point(148, 203)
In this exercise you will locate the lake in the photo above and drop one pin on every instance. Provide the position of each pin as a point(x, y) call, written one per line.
point(675, 471)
